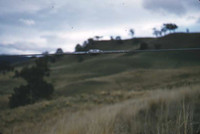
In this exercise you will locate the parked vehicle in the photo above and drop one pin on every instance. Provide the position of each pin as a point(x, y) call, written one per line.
point(94, 51)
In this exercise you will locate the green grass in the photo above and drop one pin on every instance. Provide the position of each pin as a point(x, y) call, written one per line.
point(178, 40)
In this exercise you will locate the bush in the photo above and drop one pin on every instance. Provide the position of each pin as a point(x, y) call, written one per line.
point(135, 41)
point(21, 96)
point(80, 58)
point(119, 40)
point(143, 46)
point(5, 67)
point(78, 48)
point(157, 46)
point(90, 41)
point(36, 87)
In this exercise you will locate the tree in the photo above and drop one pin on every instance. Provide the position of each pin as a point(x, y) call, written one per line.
point(119, 40)
point(37, 88)
point(187, 30)
point(131, 31)
point(174, 27)
point(59, 51)
point(164, 30)
point(111, 38)
point(45, 53)
point(90, 41)
point(98, 37)
point(170, 26)
point(156, 32)
point(78, 48)
point(58, 54)
point(85, 44)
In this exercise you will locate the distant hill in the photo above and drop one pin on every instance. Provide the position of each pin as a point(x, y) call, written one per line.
point(13, 59)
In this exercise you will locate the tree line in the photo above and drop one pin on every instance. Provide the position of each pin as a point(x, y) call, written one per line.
point(166, 28)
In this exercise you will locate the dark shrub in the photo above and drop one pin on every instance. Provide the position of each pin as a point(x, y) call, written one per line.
point(118, 40)
point(143, 46)
point(157, 46)
point(36, 87)
point(5, 66)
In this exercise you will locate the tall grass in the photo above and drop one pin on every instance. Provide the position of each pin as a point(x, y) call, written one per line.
point(158, 112)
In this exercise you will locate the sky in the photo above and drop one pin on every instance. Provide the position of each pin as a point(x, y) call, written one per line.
point(36, 26)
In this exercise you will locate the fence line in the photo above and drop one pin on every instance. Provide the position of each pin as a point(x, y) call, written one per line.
point(101, 52)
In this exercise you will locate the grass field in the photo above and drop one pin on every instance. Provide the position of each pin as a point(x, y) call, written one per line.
point(114, 94)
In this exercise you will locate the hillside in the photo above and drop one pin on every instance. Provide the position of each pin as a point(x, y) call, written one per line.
point(14, 59)
point(175, 40)
point(112, 93)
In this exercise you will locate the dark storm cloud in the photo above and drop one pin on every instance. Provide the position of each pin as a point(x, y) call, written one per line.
point(178, 7)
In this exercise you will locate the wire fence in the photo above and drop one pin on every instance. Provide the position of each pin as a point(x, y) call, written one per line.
point(97, 51)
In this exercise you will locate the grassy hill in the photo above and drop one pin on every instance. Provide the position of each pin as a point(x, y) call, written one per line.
point(113, 93)
point(175, 40)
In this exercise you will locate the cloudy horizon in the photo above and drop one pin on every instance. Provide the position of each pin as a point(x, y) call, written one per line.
point(28, 26)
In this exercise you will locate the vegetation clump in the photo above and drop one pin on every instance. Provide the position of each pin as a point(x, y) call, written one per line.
point(157, 46)
point(5, 67)
point(37, 88)
point(119, 40)
point(143, 46)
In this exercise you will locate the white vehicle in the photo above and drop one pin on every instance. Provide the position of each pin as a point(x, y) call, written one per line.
point(94, 51)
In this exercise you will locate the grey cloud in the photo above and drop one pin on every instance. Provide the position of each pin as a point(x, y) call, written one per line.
point(12, 49)
point(53, 40)
point(22, 47)
point(69, 15)
point(28, 22)
point(171, 6)
point(21, 6)
point(52, 17)
point(195, 4)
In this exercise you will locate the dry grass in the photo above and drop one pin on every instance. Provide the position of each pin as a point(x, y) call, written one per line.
point(49, 116)
point(158, 111)
point(164, 113)
point(136, 79)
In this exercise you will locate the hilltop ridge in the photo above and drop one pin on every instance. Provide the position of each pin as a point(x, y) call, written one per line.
point(174, 40)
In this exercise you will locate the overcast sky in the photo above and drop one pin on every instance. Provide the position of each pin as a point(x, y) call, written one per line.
point(35, 26)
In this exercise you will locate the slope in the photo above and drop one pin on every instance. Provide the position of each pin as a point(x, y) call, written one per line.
point(94, 81)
